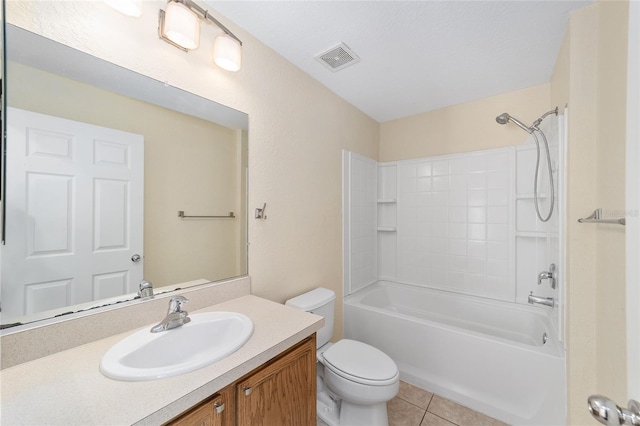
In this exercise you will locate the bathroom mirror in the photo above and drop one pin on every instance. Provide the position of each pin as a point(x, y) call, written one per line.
point(100, 163)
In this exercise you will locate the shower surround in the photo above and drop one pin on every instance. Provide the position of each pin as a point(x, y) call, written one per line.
point(464, 224)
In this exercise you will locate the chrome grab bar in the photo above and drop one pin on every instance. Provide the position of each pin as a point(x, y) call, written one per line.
point(607, 412)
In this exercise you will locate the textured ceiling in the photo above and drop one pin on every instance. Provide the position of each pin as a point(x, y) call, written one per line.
point(415, 56)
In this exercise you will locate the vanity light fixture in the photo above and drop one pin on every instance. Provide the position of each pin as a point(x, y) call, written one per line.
point(179, 25)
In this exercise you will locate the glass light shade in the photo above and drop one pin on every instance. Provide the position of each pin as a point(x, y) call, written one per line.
point(131, 8)
point(227, 53)
point(181, 25)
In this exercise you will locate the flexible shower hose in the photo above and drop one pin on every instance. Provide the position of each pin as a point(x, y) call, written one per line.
point(535, 181)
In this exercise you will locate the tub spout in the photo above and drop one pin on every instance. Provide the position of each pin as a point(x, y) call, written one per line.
point(547, 301)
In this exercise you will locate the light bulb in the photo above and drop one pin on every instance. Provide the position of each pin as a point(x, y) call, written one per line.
point(181, 25)
point(227, 53)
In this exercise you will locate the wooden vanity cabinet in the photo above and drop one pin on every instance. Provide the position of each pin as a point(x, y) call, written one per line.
point(281, 392)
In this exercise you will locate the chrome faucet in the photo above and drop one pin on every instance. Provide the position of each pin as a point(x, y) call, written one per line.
point(145, 289)
point(548, 275)
point(176, 316)
point(547, 301)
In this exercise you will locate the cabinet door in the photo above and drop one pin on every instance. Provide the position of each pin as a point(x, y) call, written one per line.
point(283, 392)
point(217, 411)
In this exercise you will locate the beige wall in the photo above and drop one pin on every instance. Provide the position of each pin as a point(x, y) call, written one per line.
point(461, 128)
point(297, 129)
point(590, 75)
point(613, 18)
point(176, 168)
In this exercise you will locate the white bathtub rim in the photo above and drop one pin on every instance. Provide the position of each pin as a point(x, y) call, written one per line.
point(506, 304)
point(552, 348)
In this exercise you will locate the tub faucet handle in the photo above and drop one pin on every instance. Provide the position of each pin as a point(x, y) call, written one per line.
point(548, 275)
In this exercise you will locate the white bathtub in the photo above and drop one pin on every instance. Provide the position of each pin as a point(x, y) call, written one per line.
point(487, 355)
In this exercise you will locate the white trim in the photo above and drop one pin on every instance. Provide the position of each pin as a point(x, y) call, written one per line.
point(346, 221)
point(561, 199)
point(633, 204)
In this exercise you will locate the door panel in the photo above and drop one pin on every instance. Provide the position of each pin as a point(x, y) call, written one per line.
point(49, 214)
point(281, 393)
point(110, 208)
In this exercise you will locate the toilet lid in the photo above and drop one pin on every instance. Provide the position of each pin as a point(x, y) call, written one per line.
point(360, 362)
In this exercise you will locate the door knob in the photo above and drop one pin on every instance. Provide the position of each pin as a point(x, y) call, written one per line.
point(607, 412)
point(136, 258)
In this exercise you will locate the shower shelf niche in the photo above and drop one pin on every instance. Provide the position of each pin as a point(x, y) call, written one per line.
point(387, 220)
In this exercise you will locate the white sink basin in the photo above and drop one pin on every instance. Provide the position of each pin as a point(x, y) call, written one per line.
point(208, 338)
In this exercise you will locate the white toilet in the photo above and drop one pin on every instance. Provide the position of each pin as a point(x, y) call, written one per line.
point(355, 380)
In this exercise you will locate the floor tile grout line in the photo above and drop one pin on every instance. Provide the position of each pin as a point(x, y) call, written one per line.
point(424, 411)
point(422, 418)
point(444, 418)
point(415, 405)
point(430, 401)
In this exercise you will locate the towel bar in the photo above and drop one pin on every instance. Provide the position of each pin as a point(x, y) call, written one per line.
point(182, 215)
point(596, 217)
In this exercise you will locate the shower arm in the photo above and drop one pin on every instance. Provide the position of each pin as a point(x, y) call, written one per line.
point(542, 117)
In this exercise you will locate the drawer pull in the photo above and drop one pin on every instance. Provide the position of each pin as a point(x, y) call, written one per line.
point(219, 406)
point(247, 390)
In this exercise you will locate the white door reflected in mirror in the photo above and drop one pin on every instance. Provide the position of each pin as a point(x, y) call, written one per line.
point(76, 194)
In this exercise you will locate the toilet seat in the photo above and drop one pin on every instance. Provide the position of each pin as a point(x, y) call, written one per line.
point(360, 363)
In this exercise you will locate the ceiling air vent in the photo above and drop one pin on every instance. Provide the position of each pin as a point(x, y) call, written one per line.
point(338, 57)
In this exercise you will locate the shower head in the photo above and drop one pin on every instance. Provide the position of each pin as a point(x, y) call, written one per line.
point(504, 118)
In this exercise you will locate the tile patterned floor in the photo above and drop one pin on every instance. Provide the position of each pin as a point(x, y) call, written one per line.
point(417, 407)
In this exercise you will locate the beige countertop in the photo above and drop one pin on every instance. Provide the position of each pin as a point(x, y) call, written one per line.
point(67, 388)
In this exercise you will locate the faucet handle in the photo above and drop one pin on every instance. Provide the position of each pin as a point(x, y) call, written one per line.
point(548, 275)
point(175, 304)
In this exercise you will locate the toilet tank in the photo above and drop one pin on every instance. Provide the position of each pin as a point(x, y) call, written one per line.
point(320, 301)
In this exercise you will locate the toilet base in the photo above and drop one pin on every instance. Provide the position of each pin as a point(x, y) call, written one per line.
point(328, 409)
point(341, 413)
